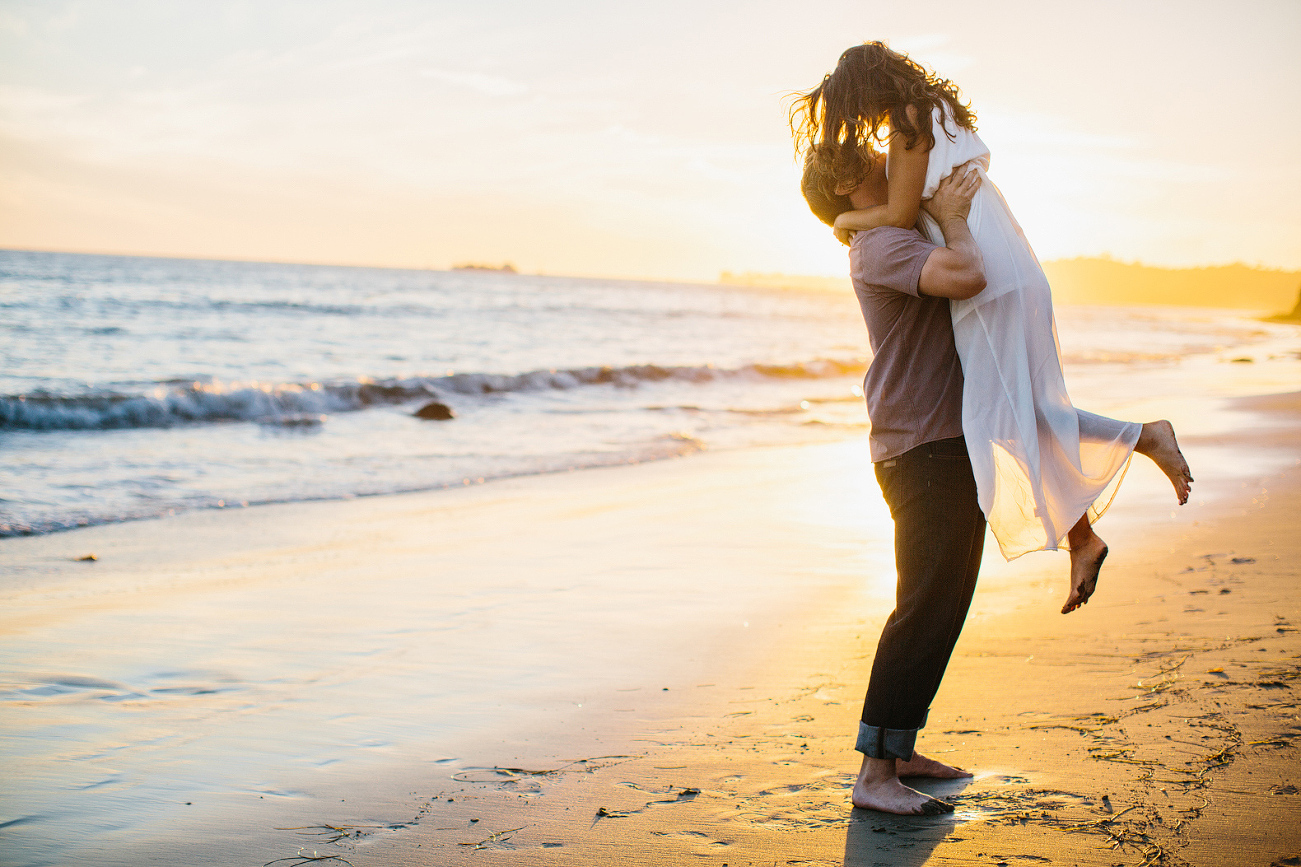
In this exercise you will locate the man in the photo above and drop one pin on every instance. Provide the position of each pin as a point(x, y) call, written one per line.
point(913, 390)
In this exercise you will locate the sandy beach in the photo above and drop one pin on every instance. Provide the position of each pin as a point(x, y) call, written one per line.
point(655, 664)
point(438, 434)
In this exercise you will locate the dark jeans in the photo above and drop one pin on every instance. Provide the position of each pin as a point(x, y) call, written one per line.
point(939, 534)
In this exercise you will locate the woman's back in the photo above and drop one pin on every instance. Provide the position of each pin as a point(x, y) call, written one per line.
point(1010, 263)
point(1039, 464)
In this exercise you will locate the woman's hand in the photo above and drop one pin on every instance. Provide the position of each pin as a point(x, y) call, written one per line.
point(843, 235)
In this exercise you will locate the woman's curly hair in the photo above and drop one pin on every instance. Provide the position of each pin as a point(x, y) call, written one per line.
point(867, 93)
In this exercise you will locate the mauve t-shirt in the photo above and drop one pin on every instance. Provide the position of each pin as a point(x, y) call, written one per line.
point(913, 387)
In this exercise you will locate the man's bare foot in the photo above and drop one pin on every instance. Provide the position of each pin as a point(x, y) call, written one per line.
point(1086, 562)
point(923, 766)
point(878, 788)
point(1158, 442)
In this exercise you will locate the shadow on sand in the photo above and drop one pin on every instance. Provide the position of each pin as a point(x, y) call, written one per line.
point(883, 840)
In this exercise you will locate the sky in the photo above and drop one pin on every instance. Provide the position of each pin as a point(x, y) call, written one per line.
point(642, 140)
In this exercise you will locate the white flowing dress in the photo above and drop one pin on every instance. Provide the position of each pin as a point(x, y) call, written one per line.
point(1039, 462)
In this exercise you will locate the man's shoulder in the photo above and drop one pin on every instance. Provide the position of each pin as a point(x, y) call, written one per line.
point(889, 257)
point(889, 238)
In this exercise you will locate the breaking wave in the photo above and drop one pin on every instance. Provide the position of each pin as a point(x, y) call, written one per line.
point(196, 402)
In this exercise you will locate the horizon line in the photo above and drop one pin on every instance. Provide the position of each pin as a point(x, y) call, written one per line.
point(719, 277)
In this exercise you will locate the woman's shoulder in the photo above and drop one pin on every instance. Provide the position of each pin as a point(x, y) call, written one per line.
point(964, 142)
point(942, 116)
point(943, 123)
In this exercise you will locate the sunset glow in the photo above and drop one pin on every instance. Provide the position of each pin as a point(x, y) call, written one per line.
point(616, 140)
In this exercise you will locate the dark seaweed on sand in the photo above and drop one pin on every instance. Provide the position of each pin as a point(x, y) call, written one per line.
point(301, 858)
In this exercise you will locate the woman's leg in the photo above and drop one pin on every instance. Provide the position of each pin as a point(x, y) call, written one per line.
point(1087, 553)
point(1155, 439)
point(1158, 442)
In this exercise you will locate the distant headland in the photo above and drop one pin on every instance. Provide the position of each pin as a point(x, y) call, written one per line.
point(1107, 281)
point(1101, 280)
point(1294, 316)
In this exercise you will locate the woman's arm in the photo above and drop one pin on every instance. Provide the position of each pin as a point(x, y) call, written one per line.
point(863, 219)
point(907, 178)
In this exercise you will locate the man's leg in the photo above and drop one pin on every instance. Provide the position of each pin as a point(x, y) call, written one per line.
point(939, 538)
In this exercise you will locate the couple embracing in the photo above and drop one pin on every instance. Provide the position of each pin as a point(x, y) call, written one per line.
point(971, 422)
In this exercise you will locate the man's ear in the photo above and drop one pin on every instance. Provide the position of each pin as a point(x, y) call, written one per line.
point(845, 189)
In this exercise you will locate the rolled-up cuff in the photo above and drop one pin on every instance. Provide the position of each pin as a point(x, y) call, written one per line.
point(881, 743)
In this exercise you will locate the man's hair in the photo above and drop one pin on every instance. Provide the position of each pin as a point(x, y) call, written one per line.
point(826, 169)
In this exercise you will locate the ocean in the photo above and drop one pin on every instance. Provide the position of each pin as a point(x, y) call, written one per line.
point(136, 387)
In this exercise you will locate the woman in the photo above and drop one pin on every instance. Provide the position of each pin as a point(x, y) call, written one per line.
point(1044, 470)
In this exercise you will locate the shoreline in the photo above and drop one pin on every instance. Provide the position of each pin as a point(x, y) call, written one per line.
point(708, 623)
point(76, 480)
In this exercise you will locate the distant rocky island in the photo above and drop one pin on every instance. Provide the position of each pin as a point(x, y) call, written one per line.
point(504, 268)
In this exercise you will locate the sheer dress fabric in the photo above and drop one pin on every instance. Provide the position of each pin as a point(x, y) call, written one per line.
point(1039, 462)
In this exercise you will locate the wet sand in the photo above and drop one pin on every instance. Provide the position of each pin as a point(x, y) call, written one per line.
point(659, 664)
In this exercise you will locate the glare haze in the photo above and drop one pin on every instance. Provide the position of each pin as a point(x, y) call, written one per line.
point(638, 140)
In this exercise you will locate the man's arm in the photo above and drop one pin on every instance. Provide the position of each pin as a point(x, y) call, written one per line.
point(955, 270)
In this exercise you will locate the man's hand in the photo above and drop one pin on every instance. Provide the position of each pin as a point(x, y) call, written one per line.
point(952, 199)
point(844, 236)
point(954, 270)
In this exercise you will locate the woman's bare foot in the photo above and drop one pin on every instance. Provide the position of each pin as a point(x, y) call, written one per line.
point(878, 788)
point(1087, 553)
point(923, 766)
point(1157, 441)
